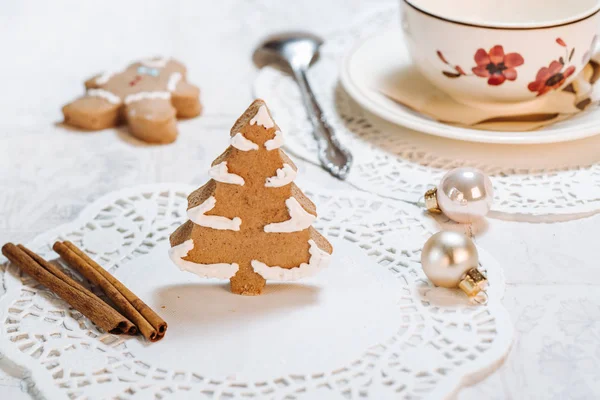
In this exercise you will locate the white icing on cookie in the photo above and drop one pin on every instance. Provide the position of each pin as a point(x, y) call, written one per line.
point(220, 173)
point(299, 219)
point(262, 118)
point(173, 81)
point(220, 271)
point(319, 259)
point(196, 215)
point(147, 96)
point(240, 142)
point(105, 94)
point(285, 175)
point(274, 143)
point(105, 77)
point(156, 63)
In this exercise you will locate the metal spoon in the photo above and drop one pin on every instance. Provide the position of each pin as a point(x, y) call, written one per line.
point(295, 53)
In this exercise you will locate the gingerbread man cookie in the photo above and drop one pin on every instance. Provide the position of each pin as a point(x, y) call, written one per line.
point(148, 95)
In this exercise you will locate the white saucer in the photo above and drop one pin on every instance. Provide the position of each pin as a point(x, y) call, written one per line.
point(384, 53)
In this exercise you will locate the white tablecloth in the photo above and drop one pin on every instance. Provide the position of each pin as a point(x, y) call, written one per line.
point(48, 173)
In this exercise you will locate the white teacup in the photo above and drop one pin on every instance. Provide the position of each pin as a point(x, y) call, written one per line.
point(495, 53)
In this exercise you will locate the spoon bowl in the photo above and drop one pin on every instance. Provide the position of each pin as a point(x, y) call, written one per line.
point(282, 49)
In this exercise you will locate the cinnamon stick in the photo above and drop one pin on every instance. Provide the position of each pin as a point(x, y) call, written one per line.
point(155, 320)
point(68, 289)
point(53, 269)
point(83, 267)
point(152, 326)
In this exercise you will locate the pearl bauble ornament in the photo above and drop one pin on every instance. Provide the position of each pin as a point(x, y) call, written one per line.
point(464, 195)
point(450, 260)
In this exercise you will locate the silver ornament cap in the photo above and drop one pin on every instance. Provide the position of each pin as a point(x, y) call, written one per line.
point(463, 195)
point(450, 259)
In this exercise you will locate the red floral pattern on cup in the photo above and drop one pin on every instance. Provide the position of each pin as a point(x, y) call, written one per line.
point(550, 78)
point(494, 65)
point(554, 75)
point(497, 66)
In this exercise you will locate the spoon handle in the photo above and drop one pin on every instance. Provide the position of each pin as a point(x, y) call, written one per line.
point(334, 157)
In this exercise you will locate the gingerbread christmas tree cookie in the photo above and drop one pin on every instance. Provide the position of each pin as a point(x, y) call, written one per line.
point(148, 96)
point(250, 222)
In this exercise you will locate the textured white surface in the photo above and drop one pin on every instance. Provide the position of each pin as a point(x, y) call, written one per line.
point(407, 336)
point(51, 173)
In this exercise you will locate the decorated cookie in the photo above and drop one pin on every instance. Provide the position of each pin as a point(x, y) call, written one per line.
point(148, 95)
point(250, 222)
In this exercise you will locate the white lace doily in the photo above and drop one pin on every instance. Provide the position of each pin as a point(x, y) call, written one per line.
point(398, 163)
point(370, 325)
